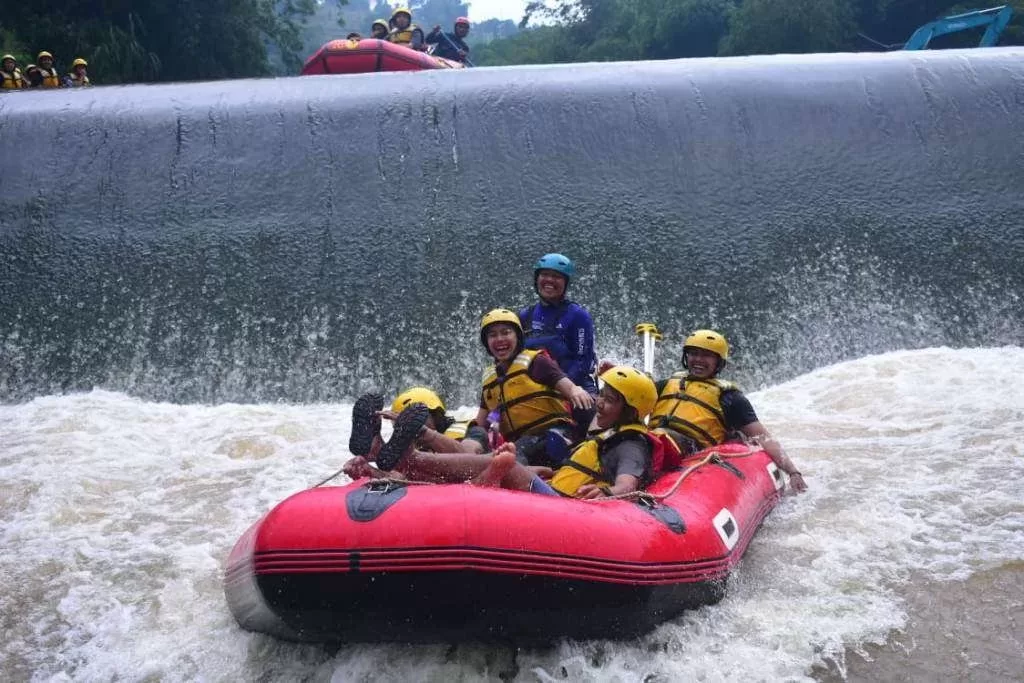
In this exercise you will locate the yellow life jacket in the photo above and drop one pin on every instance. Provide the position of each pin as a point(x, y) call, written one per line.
point(457, 430)
point(584, 465)
point(526, 406)
point(12, 80)
point(78, 82)
point(50, 78)
point(693, 407)
point(402, 36)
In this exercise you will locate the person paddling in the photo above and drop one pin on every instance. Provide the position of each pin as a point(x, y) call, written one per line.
point(453, 45)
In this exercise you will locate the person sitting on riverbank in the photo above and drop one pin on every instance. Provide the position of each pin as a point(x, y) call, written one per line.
point(404, 32)
point(10, 74)
point(33, 76)
point(698, 410)
point(47, 70)
point(79, 77)
point(614, 462)
point(379, 29)
point(451, 45)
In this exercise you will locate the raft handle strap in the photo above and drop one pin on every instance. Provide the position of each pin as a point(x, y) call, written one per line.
point(714, 458)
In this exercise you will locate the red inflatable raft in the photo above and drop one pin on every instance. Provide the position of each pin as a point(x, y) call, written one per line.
point(364, 56)
point(376, 561)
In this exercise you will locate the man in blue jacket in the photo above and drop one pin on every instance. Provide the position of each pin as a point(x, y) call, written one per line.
point(563, 328)
point(451, 45)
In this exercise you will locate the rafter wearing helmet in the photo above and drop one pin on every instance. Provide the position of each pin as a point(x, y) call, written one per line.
point(699, 410)
point(525, 393)
point(451, 45)
point(403, 31)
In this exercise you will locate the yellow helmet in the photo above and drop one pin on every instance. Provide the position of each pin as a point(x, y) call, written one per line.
point(379, 22)
point(637, 389)
point(42, 54)
point(709, 340)
point(500, 315)
point(79, 62)
point(417, 395)
point(401, 10)
point(10, 57)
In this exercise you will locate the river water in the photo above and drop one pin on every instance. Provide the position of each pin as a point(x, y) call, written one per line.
point(197, 279)
point(118, 513)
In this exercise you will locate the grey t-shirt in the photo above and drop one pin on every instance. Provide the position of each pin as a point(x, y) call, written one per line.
point(630, 455)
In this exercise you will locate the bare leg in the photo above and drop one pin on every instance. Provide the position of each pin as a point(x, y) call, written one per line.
point(443, 467)
point(505, 472)
point(375, 447)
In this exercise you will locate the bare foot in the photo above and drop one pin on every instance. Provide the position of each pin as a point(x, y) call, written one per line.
point(502, 462)
point(507, 447)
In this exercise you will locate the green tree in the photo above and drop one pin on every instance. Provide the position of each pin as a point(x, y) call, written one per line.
point(542, 45)
point(132, 40)
point(666, 29)
point(778, 26)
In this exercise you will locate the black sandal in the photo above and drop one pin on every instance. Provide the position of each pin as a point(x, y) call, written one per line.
point(365, 423)
point(408, 426)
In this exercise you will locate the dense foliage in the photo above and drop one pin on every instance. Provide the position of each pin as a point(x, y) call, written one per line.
point(597, 30)
point(155, 40)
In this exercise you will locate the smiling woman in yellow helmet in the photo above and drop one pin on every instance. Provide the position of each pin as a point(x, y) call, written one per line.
point(404, 32)
point(525, 393)
point(613, 462)
point(699, 410)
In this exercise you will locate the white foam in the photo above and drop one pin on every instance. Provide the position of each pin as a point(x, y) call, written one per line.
point(117, 515)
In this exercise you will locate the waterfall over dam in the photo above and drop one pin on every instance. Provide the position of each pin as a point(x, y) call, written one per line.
point(303, 239)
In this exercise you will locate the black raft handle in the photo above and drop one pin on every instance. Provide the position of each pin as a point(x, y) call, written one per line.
point(369, 502)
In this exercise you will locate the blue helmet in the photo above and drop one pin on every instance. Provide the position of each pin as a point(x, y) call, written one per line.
point(556, 262)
